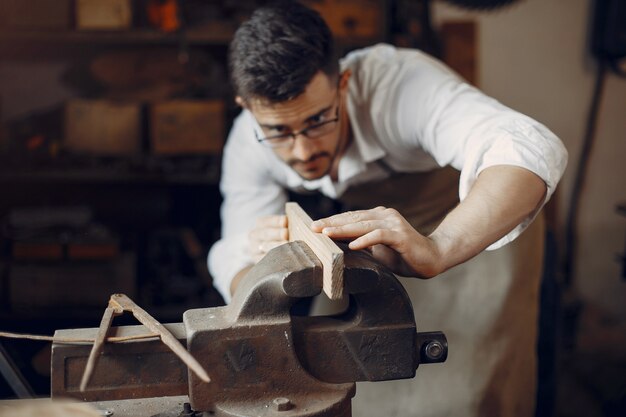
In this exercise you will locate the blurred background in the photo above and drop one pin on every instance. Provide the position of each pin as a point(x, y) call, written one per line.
point(113, 114)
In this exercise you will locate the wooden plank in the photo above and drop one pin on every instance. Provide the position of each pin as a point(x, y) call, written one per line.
point(331, 256)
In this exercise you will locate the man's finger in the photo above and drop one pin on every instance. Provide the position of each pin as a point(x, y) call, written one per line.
point(272, 221)
point(347, 218)
point(375, 237)
point(357, 229)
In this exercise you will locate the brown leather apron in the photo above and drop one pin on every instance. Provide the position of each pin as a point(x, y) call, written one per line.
point(423, 198)
point(487, 307)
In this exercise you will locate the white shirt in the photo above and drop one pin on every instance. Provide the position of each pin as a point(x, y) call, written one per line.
point(405, 108)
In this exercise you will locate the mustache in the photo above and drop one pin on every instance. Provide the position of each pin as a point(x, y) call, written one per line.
point(293, 162)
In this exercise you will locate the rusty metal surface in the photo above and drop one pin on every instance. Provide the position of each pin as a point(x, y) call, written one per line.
point(262, 360)
point(374, 340)
point(133, 369)
point(122, 303)
point(248, 345)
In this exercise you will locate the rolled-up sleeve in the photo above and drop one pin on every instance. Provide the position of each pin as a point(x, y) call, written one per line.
point(460, 126)
point(524, 144)
point(249, 191)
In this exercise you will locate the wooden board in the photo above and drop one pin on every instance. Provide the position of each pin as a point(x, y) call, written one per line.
point(329, 254)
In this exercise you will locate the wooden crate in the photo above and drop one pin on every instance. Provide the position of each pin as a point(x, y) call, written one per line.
point(187, 127)
point(103, 14)
point(36, 14)
point(101, 127)
point(353, 19)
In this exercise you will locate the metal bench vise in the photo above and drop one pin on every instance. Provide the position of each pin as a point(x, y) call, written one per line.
point(262, 360)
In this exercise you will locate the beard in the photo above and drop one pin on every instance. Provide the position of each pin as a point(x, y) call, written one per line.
point(314, 172)
point(313, 168)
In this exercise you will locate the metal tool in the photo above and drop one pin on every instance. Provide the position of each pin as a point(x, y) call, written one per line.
point(262, 360)
point(118, 304)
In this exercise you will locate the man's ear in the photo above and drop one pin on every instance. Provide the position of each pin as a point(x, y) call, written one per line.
point(344, 77)
point(241, 102)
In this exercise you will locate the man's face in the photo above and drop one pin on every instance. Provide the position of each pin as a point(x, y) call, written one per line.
point(314, 156)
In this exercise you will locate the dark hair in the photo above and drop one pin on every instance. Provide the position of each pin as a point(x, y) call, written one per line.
point(276, 53)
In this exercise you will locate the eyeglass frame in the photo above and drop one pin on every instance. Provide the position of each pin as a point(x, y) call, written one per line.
point(293, 135)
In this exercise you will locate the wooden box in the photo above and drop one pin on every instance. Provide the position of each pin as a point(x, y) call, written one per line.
point(101, 127)
point(187, 127)
point(353, 19)
point(36, 14)
point(103, 14)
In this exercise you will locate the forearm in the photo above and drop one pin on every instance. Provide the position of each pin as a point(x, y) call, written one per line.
point(499, 200)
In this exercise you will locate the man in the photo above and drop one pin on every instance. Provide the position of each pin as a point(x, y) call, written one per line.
point(399, 139)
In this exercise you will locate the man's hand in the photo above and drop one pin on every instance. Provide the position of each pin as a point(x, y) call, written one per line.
point(269, 232)
point(389, 236)
point(500, 199)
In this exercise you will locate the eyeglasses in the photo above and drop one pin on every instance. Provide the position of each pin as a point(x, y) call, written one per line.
point(313, 131)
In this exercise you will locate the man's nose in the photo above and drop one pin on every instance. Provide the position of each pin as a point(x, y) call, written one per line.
point(303, 148)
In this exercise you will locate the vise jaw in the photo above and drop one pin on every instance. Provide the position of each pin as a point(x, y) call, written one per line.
point(261, 359)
